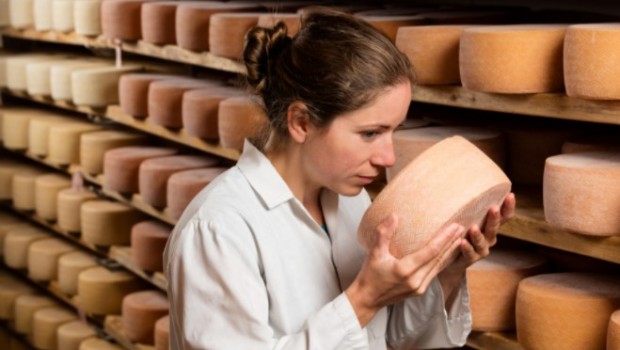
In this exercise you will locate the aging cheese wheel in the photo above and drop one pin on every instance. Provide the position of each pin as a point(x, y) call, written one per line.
point(581, 192)
point(26, 306)
point(567, 311)
point(45, 326)
point(158, 22)
point(24, 188)
point(148, 240)
point(165, 100)
point(15, 126)
point(2, 67)
point(427, 196)
point(16, 69)
point(71, 334)
point(162, 333)
point(60, 74)
point(93, 146)
point(239, 117)
point(69, 267)
point(43, 258)
point(98, 87)
point(185, 185)
point(101, 291)
point(120, 19)
point(46, 188)
point(200, 110)
point(107, 223)
point(42, 13)
point(38, 133)
point(38, 77)
point(590, 70)
point(16, 243)
point(292, 21)
point(121, 166)
point(492, 284)
point(408, 144)
point(512, 59)
point(133, 90)
point(613, 332)
point(98, 344)
point(140, 312)
point(154, 174)
point(8, 169)
point(87, 17)
point(389, 25)
point(62, 15)
point(21, 13)
point(7, 223)
point(64, 141)
point(69, 203)
point(10, 290)
point(227, 32)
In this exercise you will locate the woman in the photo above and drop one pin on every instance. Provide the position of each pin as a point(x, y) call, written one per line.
point(266, 256)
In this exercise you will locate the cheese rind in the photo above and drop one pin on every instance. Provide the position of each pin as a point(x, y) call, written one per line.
point(200, 110)
point(107, 223)
point(140, 312)
point(45, 325)
point(16, 243)
point(64, 142)
point(87, 17)
point(227, 32)
point(46, 194)
point(10, 290)
point(69, 267)
point(24, 188)
point(43, 258)
point(68, 206)
point(184, 186)
point(93, 146)
point(38, 133)
point(613, 331)
point(98, 87)
point(133, 89)
point(239, 117)
point(162, 333)
point(165, 100)
point(72, 334)
point(25, 307)
point(21, 13)
point(101, 291)
point(148, 240)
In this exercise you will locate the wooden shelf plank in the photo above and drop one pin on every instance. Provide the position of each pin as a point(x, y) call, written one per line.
point(122, 255)
point(57, 37)
point(114, 327)
point(493, 340)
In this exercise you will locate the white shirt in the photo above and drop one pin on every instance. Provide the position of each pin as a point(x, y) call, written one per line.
point(248, 268)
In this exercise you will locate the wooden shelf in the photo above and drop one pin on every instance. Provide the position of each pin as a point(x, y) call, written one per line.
point(114, 327)
point(122, 255)
point(493, 340)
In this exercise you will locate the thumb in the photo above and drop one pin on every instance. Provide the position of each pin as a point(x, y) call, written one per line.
point(384, 232)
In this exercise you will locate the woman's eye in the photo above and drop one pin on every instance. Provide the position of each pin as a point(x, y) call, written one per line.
point(370, 134)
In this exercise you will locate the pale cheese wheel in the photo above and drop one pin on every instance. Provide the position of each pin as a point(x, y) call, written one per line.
point(45, 325)
point(60, 74)
point(98, 87)
point(2, 67)
point(492, 283)
point(200, 110)
point(21, 13)
point(140, 312)
point(567, 311)
point(107, 223)
point(162, 333)
point(25, 307)
point(572, 180)
point(10, 290)
point(62, 15)
point(158, 22)
point(64, 141)
point(121, 166)
point(93, 146)
point(98, 344)
point(101, 291)
point(389, 25)
point(16, 69)
point(24, 188)
point(165, 100)
point(69, 203)
point(185, 185)
point(4, 14)
point(87, 17)
point(38, 133)
point(38, 76)
point(613, 331)
point(16, 243)
point(239, 117)
point(427, 197)
point(43, 258)
point(46, 194)
point(291, 20)
point(154, 173)
point(71, 334)
point(227, 33)
point(69, 267)
point(133, 90)
point(148, 240)
point(410, 143)
point(8, 170)
point(42, 14)
point(514, 59)
point(7, 223)
point(15, 127)
point(120, 19)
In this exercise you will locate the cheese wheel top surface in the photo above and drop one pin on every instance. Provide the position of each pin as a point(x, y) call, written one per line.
point(147, 299)
point(587, 160)
point(575, 285)
point(152, 228)
point(179, 162)
point(197, 175)
point(500, 259)
point(105, 206)
point(103, 275)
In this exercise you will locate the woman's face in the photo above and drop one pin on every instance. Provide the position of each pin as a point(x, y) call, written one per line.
point(350, 153)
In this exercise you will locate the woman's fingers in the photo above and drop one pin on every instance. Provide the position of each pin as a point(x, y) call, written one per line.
point(384, 232)
point(481, 243)
point(508, 208)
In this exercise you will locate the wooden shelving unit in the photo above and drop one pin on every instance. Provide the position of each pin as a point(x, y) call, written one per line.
point(122, 255)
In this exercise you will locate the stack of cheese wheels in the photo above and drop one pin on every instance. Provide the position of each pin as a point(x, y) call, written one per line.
point(38, 77)
point(570, 180)
point(94, 145)
point(192, 22)
point(64, 142)
point(69, 202)
point(62, 15)
point(185, 185)
point(69, 267)
point(433, 52)
point(15, 127)
point(140, 312)
point(45, 325)
point(566, 310)
point(158, 22)
point(227, 32)
point(389, 25)
point(291, 20)
point(590, 70)
point(71, 334)
point(200, 110)
point(148, 240)
point(87, 17)
point(165, 100)
point(427, 197)
point(592, 142)
point(121, 166)
point(101, 291)
point(60, 74)
point(46, 194)
point(8, 222)
point(154, 173)
point(162, 333)
point(42, 13)
point(512, 58)
point(43, 258)
point(98, 344)
point(16, 69)
point(106, 223)
point(239, 117)
point(120, 19)
point(98, 87)
point(613, 331)
point(21, 13)
point(10, 290)
point(493, 282)
point(25, 307)
point(16, 243)
point(410, 143)
point(38, 133)
point(24, 189)
point(133, 90)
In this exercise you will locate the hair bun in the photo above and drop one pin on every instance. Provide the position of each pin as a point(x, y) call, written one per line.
point(262, 48)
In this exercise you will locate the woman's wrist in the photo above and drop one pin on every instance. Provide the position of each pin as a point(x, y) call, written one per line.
point(364, 310)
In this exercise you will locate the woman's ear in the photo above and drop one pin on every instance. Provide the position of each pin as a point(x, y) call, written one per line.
point(298, 121)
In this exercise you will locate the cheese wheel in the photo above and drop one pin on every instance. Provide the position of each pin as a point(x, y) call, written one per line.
point(69, 267)
point(101, 291)
point(427, 196)
point(38, 77)
point(25, 307)
point(98, 344)
point(613, 331)
point(291, 20)
point(239, 117)
point(7, 223)
point(158, 22)
point(590, 70)
point(2, 65)
point(227, 33)
point(21, 13)
point(98, 87)
point(24, 188)
point(140, 312)
point(389, 25)
point(60, 74)
point(408, 144)
point(16, 69)
point(492, 284)
point(514, 59)
point(162, 333)
point(107, 223)
point(433, 52)
point(120, 19)
point(87, 17)
point(200, 110)
point(16, 243)
point(8, 169)
point(38, 133)
point(15, 126)
point(62, 15)
point(64, 142)
point(133, 90)
point(43, 258)
point(154, 174)
point(45, 326)
point(93, 146)
point(165, 100)
point(565, 310)
point(148, 240)
point(592, 142)
point(570, 180)
point(121, 166)
point(46, 188)
point(10, 290)
point(42, 14)
point(185, 185)
point(71, 334)
point(192, 22)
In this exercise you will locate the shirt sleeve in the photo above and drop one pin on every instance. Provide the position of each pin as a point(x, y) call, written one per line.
point(219, 300)
point(424, 323)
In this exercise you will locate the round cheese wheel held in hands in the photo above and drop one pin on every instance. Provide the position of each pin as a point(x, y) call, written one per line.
point(451, 182)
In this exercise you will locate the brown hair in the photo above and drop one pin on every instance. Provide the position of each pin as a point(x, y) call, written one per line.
point(337, 63)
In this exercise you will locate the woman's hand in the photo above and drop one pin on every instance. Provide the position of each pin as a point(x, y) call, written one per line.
point(385, 279)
